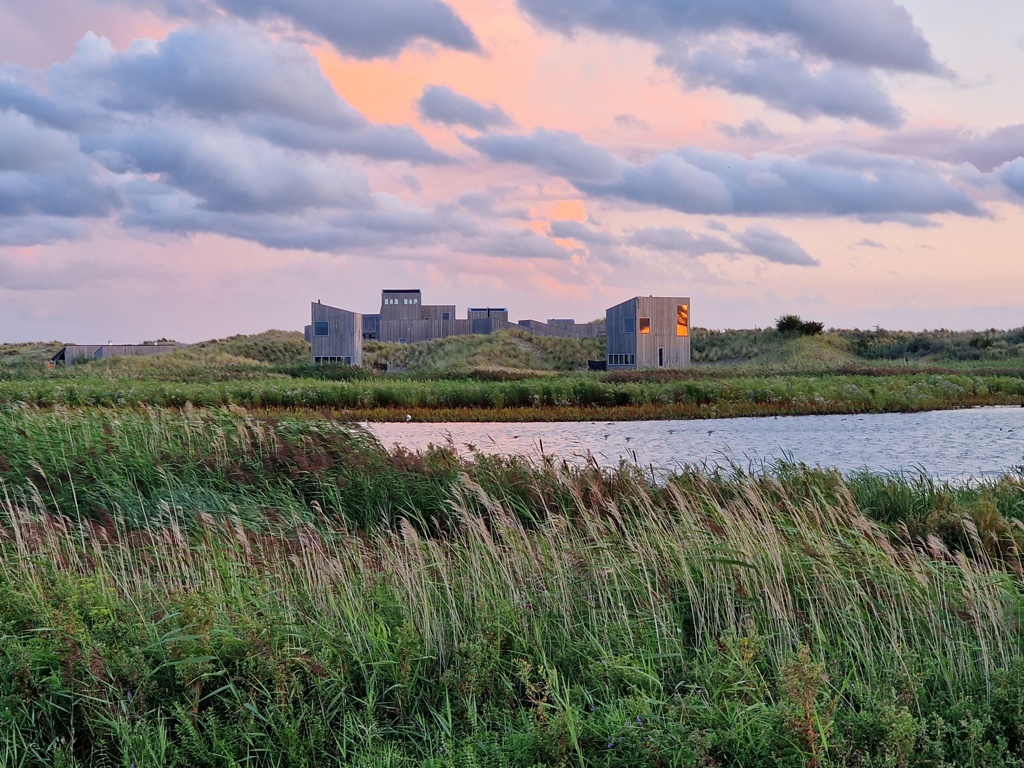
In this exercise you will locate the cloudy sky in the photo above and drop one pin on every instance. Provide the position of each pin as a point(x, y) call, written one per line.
point(199, 168)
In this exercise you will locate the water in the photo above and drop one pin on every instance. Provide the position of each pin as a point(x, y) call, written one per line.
point(970, 443)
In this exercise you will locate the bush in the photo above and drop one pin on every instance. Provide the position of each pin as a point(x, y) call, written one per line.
point(794, 324)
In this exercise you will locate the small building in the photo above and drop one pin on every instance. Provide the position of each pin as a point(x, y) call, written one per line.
point(487, 319)
point(648, 332)
point(69, 353)
point(335, 335)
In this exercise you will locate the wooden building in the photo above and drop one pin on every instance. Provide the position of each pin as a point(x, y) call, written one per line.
point(487, 319)
point(649, 332)
point(72, 352)
point(335, 335)
point(405, 319)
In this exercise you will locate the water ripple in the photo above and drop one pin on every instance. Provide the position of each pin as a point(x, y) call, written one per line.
point(976, 442)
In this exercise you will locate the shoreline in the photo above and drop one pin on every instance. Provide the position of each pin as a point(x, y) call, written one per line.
point(642, 412)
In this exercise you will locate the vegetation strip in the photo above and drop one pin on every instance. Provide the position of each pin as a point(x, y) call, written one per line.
point(208, 588)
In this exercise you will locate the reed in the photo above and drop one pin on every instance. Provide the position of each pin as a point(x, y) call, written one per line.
point(568, 395)
point(207, 588)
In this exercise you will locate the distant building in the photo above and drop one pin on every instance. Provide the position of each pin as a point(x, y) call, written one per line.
point(69, 353)
point(335, 335)
point(483, 320)
point(648, 332)
point(403, 318)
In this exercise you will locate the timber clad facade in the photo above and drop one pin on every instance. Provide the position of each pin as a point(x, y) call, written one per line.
point(648, 332)
point(403, 318)
point(335, 335)
point(644, 332)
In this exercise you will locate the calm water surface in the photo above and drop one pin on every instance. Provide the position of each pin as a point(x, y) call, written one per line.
point(976, 442)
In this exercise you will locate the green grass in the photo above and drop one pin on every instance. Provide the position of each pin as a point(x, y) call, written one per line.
point(681, 395)
point(209, 589)
point(514, 377)
point(280, 347)
point(506, 351)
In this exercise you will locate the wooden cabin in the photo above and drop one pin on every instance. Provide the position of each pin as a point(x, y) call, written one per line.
point(648, 332)
point(335, 335)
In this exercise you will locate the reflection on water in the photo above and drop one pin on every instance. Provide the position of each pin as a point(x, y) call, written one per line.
point(975, 442)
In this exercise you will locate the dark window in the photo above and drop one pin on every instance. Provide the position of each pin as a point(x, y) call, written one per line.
point(661, 357)
point(321, 328)
point(403, 341)
point(629, 325)
point(446, 315)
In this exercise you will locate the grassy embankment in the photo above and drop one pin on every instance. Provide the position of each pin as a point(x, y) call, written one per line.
point(512, 377)
point(205, 588)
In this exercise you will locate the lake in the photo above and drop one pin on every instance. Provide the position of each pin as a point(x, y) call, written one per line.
point(957, 444)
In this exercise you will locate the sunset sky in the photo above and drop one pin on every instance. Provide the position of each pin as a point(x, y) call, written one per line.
point(194, 169)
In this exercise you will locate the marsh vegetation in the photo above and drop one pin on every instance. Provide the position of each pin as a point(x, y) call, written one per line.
point(512, 377)
point(207, 588)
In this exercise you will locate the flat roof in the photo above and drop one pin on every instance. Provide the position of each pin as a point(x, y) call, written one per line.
point(401, 290)
point(487, 309)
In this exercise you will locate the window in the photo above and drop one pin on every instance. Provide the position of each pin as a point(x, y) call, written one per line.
point(403, 341)
point(629, 325)
point(682, 320)
point(661, 357)
point(321, 328)
point(632, 359)
point(446, 315)
point(645, 325)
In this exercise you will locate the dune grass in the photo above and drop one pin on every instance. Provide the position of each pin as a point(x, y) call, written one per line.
point(206, 588)
point(509, 350)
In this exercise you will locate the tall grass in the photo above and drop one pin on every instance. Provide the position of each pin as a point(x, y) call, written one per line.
point(716, 396)
point(243, 610)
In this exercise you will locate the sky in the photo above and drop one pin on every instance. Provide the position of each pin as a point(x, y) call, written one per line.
point(194, 169)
